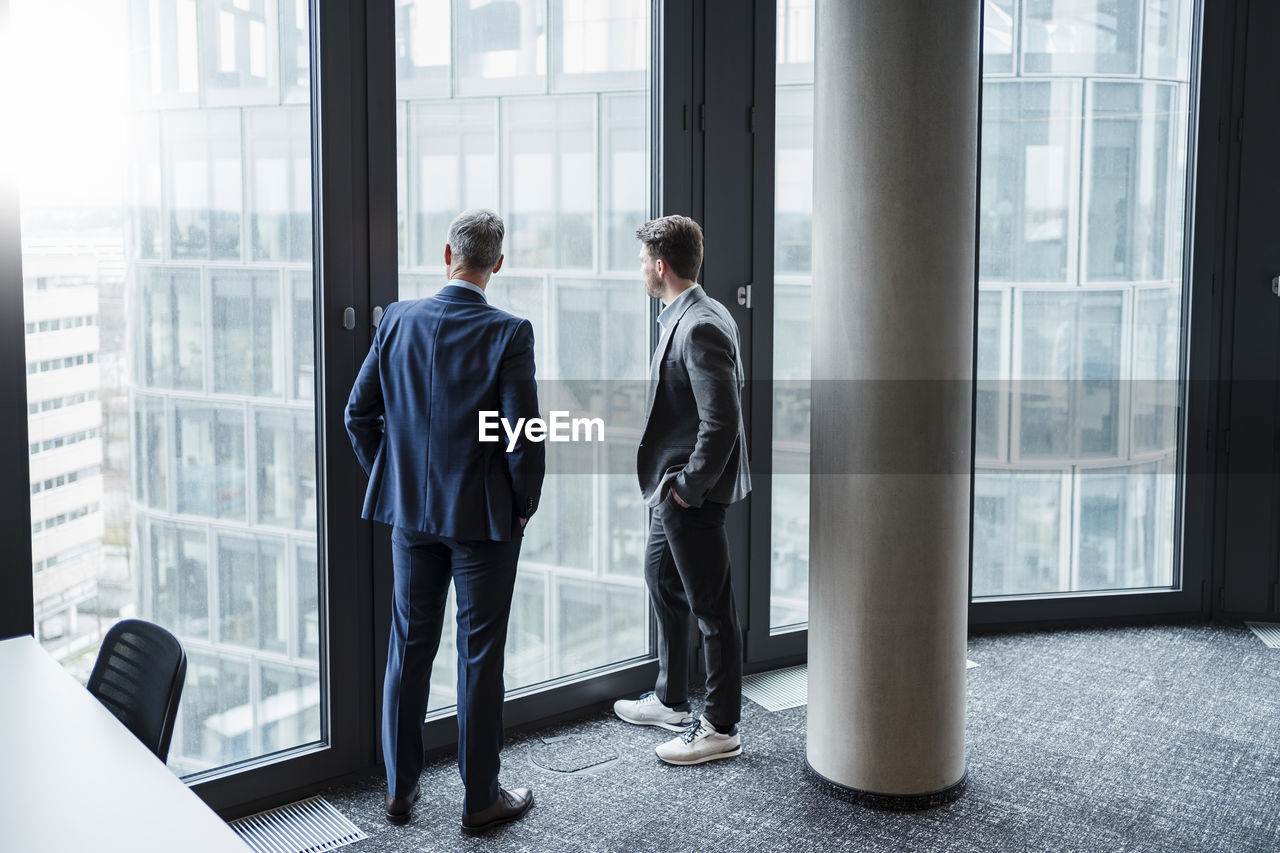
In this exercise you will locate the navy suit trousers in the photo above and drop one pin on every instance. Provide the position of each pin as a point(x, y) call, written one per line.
point(484, 576)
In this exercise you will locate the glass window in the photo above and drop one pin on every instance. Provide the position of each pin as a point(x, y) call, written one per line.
point(568, 504)
point(528, 659)
point(793, 250)
point(549, 182)
point(295, 50)
point(246, 325)
point(173, 330)
point(1167, 39)
point(1081, 36)
point(164, 51)
point(1155, 370)
point(150, 434)
point(1089, 323)
point(501, 46)
point(286, 482)
point(789, 552)
point(276, 483)
point(308, 627)
point(1124, 540)
point(203, 184)
point(1030, 131)
point(600, 46)
point(444, 671)
point(422, 47)
point(453, 165)
point(1134, 186)
point(180, 578)
point(1070, 369)
point(607, 623)
point(253, 592)
point(601, 331)
point(789, 549)
point(992, 391)
point(1080, 286)
point(301, 287)
point(209, 460)
point(997, 37)
point(793, 182)
point(627, 519)
point(795, 41)
point(216, 713)
point(289, 707)
point(279, 173)
point(173, 457)
point(1018, 541)
point(417, 286)
point(626, 169)
point(241, 51)
point(524, 296)
point(571, 173)
point(144, 223)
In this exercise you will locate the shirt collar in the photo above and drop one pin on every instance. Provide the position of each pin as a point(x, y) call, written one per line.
point(669, 314)
point(474, 288)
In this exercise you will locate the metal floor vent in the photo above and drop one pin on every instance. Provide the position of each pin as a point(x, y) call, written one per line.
point(1268, 632)
point(573, 754)
point(779, 689)
point(301, 827)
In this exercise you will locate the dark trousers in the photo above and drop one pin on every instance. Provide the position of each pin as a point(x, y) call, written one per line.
point(484, 576)
point(687, 572)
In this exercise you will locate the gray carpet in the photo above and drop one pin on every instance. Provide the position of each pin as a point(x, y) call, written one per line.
point(1115, 739)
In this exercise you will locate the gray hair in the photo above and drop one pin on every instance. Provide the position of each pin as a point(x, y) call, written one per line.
point(475, 236)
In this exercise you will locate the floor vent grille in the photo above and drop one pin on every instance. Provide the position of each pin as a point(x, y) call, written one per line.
point(307, 826)
point(1268, 632)
point(572, 754)
point(779, 689)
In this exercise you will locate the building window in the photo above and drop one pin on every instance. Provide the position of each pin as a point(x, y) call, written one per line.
point(540, 111)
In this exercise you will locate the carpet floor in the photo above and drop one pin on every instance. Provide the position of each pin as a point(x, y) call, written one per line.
point(1114, 739)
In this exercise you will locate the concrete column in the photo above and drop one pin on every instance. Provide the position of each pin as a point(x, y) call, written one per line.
point(894, 218)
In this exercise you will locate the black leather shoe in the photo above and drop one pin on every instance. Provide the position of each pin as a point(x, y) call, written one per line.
point(510, 805)
point(399, 809)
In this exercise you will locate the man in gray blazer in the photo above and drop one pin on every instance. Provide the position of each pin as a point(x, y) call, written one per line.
point(692, 464)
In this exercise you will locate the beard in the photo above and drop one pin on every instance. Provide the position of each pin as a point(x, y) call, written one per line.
point(652, 285)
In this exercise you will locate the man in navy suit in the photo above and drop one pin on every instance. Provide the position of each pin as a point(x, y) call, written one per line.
point(457, 506)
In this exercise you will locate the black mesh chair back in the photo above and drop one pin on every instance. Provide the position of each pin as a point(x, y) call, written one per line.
point(138, 676)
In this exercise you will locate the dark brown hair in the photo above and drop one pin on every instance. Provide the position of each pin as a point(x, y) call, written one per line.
point(677, 240)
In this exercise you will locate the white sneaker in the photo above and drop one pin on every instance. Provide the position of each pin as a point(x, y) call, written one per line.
point(649, 711)
point(700, 743)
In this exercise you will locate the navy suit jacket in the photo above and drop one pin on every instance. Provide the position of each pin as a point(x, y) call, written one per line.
point(413, 418)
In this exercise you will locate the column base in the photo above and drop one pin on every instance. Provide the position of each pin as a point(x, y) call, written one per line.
point(888, 802)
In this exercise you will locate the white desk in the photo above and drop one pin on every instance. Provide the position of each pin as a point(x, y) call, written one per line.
point(73, 778)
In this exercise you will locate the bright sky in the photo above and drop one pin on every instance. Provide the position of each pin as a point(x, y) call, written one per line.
point(72, 94)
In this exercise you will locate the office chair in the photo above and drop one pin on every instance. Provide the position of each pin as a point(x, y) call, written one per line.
point(138, 676)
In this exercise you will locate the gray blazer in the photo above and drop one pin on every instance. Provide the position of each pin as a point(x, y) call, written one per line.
point(694, 437)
